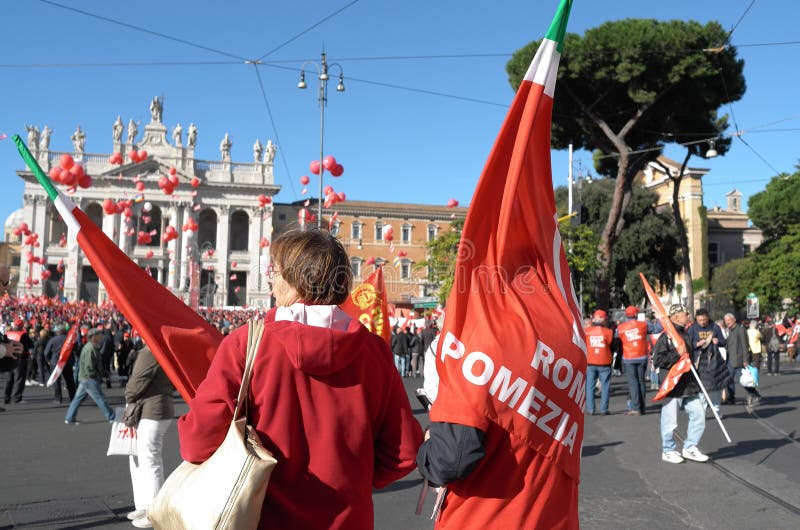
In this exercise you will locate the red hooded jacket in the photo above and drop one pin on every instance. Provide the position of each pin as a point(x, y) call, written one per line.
point(330, 406)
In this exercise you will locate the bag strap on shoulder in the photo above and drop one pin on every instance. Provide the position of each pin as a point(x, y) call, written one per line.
point(255, 330)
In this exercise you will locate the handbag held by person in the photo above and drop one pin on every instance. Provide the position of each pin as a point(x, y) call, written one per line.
point(227, 490)
point(123, 437)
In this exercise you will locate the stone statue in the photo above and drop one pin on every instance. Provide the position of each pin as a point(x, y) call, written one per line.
point(225, 148)
point(269, 157)
point(257, 150)
point(116, 131)
point(133, 130)
point(156, 107)
point(177, 135)
point(191, 139)
point(44, 143)
point(79, 140)
point(33, 137)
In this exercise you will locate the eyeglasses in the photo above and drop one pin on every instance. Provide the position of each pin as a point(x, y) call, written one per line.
point(271, 272)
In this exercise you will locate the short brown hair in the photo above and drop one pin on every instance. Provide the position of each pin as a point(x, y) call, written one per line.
point(315, 264)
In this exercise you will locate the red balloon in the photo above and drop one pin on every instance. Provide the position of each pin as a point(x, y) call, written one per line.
point(172, 171)
point(195, 182)
point(127, 212)
point(109, 207)
point(148, 254)
point(140, 186)
point(370, 261)
point(304, 180)
point(328, 162)
point(134, 156)
point(68, 178)
point(85, 181)
point(233, 264)
point(66, 161)
point(168, 190)
point(314, 167)
point(142, 155)
point(163, 182)
point(452, 203)
point(173, 179)
point(55, 174)
point(341, 196)
point(327, 190)
point(337, 170)
point(76, 170)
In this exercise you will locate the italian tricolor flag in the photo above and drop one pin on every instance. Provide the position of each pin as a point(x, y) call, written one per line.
point(182, 341)
point(512, 353)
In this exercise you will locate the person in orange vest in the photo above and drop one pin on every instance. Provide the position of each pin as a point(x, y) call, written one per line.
point(598, 359)
point(632, 335)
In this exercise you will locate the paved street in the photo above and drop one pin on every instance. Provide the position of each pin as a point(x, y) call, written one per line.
point(57, 476)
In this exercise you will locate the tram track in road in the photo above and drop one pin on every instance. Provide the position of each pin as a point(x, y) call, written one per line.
point(746, 483)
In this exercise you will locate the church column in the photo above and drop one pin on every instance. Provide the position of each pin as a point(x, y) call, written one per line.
point(255, 275)
point(186, 242)
point(223, 253)
point(173, 248)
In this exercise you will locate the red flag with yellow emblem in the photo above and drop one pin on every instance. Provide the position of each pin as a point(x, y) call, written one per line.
point(368, 304)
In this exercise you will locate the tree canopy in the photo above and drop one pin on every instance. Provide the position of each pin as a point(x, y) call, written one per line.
point(776, 208)
point(628, 87)
point(441, 261)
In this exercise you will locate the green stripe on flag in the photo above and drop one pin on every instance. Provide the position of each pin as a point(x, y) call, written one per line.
point(558, 27)
point(43, 179)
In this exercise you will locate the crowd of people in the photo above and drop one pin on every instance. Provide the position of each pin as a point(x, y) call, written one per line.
point(719, 351)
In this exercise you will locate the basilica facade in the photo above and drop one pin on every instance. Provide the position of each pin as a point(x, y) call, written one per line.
point(220, 261)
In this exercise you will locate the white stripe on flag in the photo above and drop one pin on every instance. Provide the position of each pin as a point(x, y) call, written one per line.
point(64, 205)
point(544, 67)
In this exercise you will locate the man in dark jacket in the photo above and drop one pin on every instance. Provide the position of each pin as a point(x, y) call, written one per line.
point(51, 353)
point(705, 338)
point(739, 357)
point(400, 350)
point(686, 394)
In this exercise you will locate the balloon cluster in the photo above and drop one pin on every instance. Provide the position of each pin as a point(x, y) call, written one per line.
point(170, 233)
point(30, 258)
point(22, 229)
point(169, 183)
point(388, 233)
point(304, 216)
point(145, 238)
point(70, 174)
point(329, 163)
point(452, 203)
point(263, 200)
point(190, 225)
point(31, 240)
point(331, 197)
point(264, 243)
point(137, 156)
point(125, 207)
point(115, 159)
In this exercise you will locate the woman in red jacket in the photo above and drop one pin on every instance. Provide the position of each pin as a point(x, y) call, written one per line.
point(325, 396)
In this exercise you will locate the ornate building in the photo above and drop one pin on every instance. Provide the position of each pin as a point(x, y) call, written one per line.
point(220, 196)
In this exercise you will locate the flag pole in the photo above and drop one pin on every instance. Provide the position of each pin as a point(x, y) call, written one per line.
point(710, 405)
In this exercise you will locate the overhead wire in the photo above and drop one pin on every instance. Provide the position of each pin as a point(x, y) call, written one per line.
point(733, 28)
point(303, 32)
point(144, 30)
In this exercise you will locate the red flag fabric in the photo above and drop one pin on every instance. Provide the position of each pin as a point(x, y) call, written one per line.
point(368, 304)
point(512, 354)
point(66, 351)
point(684, 364)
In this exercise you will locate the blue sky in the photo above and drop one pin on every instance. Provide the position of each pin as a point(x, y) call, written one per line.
point(426, 83)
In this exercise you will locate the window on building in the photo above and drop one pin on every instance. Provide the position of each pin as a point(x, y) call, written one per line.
point(355, 263)
point(747, 250)
point(378, 231)
point(207, 231)
point(335, 228)
point(405, 233)
point(239, 230)
point(150, 223)
point(281, 217)
point(432, 231)
point(355, 230)
point(405, 270)
point(713, 254)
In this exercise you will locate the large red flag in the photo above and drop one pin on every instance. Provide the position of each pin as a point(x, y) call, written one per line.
point(684, 364)
point(368, 304)
point(512, 354)
point(181, 341)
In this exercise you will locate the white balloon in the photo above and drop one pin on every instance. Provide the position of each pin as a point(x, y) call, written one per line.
point(147, 207)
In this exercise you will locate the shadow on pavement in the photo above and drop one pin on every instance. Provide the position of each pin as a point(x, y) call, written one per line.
point(748, 447)
point(592, 450)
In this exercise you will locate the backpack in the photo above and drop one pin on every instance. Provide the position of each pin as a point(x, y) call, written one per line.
point(774, 342)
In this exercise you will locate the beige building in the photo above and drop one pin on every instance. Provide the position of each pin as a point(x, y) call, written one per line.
point(715, 236)
point(361, 227)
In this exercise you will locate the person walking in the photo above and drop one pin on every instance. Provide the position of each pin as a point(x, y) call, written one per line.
point(417, 352)
point(774, 344)
point(739, 357)
point(705, 339)
point(632, 334)
point(598, 359)
point(51, 353)
point(15, 385)
point(149, 386)
point(400, 350)
point(325, 397)
point(39, 371)
point(90, 377)
point(685, 395)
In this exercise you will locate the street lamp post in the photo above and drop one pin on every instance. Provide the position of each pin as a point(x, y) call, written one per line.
point(322, 69)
